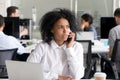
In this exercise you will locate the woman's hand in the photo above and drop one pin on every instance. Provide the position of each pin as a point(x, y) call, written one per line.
point(64, 78)
point(71, 37)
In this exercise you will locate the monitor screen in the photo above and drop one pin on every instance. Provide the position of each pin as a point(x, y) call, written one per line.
point(25, 22)
point(106, 23)
point(12, 26)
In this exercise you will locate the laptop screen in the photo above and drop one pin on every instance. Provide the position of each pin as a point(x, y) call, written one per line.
point(24, 70)
point(88, 35)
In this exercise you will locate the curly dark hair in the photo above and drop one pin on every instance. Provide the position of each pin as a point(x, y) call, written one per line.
point(49, 19)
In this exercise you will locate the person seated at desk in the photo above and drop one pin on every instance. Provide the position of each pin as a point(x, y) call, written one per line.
point(13, 11)
point(9, 42)
point(86, 24)
point(61, 56)
point(114, 32)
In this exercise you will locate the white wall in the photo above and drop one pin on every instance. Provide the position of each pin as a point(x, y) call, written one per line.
point(25, 6)
point(103, 7)
point(97, 8)
point(42, 6)
point(3, 5)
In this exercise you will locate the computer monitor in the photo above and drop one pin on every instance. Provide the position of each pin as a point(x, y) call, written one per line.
point(12, 26)
point(25, 23)
point(106, 23)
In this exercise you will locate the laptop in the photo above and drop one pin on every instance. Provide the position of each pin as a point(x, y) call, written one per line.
point(18, 70)
point(88, 35)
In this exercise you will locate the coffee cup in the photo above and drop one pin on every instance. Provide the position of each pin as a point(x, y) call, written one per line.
point(100, 76)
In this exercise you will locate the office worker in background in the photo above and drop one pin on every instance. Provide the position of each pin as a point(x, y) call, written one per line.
point(61, 56)
point(13, 11)
point(9, 42)
point(115, 31)
point(86, 24)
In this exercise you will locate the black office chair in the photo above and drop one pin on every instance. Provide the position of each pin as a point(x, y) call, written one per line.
point(112, 66)
point(88, 62)
point(9, 54)
point(22, 57)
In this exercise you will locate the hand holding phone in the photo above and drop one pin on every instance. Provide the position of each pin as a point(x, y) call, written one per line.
point(70, 39)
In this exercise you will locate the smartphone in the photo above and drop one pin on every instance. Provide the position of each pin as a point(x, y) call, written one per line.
point(69, 39)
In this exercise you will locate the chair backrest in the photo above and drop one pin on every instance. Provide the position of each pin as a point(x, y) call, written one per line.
point(116, 54)
point(88, 63)
point(116, 51)
point(8, 54)
point(87, 51)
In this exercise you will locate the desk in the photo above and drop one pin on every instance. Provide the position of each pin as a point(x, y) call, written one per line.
point(98, 47)
point(29, 48)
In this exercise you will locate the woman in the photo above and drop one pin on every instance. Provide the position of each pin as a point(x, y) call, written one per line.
point(61, 56)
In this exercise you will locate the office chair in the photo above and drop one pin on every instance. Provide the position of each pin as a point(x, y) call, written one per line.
point(112, 67)
point(9, 54)
point(88, 62)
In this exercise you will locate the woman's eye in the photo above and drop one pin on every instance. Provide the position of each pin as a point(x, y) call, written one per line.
point(68, 26)
point(60, 26)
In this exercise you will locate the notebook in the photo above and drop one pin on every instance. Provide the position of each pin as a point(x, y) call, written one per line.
point(24, 70)
point(88, 35)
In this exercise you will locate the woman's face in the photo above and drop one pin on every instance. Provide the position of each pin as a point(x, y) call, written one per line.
point(61, 30)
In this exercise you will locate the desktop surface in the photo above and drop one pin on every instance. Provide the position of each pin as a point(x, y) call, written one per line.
point(98, 47)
